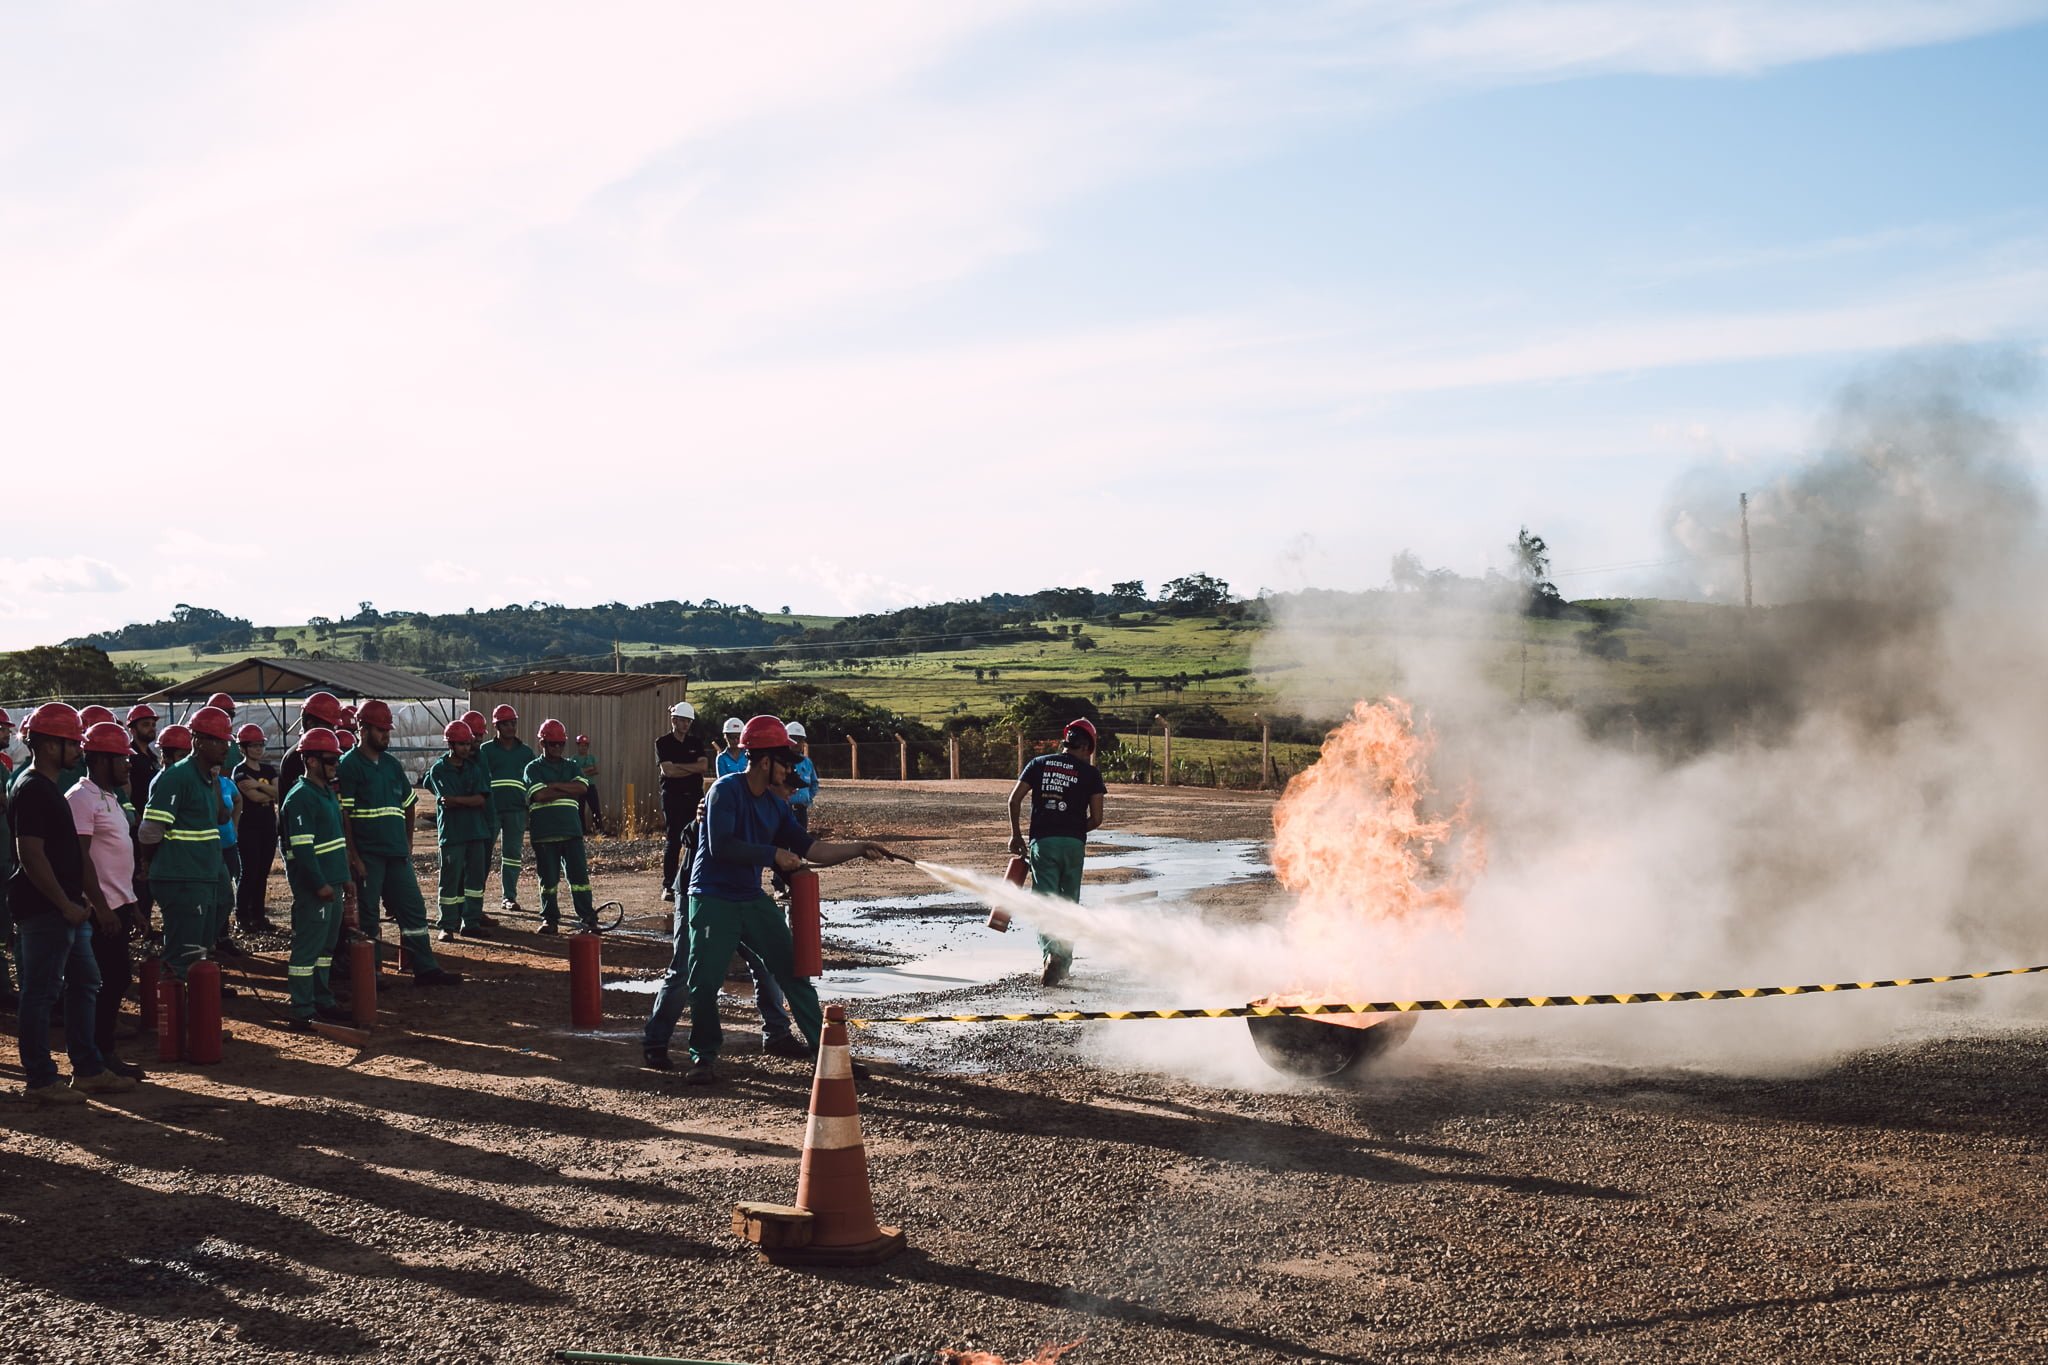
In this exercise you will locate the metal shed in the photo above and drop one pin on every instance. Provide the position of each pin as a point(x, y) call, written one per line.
point(623, 713)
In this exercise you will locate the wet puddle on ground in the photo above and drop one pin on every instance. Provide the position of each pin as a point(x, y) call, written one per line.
point(945, 940)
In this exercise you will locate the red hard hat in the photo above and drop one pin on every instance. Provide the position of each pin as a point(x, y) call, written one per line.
point(5, 720)
point(1085, 726)
point(583, 739)
point(249, 734)
point(324, 707)
point(348, 713)
point(502, 713)
point(54, 720)
point(106, 738)
point(223, 701)
point(764, 732)
point(475, 721)
point(319, 740)
point(175, 737)
point(212, 722)
point(458, 732)
point(140, 711)
point(89, 716)
point(374, 713)
point(553, 731)
point(346, 738)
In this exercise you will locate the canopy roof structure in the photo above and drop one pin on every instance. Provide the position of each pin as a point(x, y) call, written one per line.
point(265, 679)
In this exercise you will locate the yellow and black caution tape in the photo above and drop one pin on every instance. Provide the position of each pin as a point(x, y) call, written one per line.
point(1477, 1002)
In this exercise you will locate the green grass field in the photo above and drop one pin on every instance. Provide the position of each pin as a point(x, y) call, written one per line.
point(1654, 652)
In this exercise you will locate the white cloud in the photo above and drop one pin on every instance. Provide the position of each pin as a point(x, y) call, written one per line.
point(178, 542)
point(450, 572)
point(853, 591)
point(72, 574)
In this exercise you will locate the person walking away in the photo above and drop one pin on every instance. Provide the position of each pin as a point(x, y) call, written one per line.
point(180, 836)
point(505, 759)
point(9, 997)
point(376, 818)
point(224, 945)
point(732, 758)
point(462, 829)
point(316, 868)
point(746, 828)
point(1066, 795)
point(592, 803)
point(681, 756)
point(554, 792)
point(100, 816)
point(256, 780)
point(55, 928)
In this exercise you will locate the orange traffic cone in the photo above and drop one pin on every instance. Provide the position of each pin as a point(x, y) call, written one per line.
point(833, 1222)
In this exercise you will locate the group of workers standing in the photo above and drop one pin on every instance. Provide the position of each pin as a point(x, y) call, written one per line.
point(112, 821)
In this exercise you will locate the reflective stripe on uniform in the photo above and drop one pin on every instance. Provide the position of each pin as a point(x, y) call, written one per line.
point(331, 846)
point(298, 839)
point(301, 971)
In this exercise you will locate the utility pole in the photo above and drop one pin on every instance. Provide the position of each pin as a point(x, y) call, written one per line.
point(1748, 584)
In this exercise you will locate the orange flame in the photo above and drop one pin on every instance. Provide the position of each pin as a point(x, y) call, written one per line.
point(1047, 1355)
point(1351, 840)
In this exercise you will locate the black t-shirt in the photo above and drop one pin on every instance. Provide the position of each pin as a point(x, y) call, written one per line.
point(256, 815)
point(39, 811)
point(1061, 785)
point(142, 766)
point(688, 749)
point(288, 774)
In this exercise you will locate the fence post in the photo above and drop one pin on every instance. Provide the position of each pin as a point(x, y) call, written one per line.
point(1167, 726)
point(953, 756)
point(853, 757)
point(1265, 752)
point(902, 759)
point(632, 815)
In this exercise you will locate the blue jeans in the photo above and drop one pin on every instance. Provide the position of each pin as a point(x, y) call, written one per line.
point(674, 995)
point(56, 960)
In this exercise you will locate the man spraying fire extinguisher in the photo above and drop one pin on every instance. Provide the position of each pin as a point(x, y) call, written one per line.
point(1066, 795)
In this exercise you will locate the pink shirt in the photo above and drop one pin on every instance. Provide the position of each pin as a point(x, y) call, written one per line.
point(98, 814)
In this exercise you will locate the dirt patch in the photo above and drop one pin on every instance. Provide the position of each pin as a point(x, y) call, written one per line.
point(485, 1183)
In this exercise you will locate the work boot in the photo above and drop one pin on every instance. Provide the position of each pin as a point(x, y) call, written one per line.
point(294, 1024)
point(437, 976)
point(787, 1046)
point(333, 1014)
point(547, 929)
point(128, 1069)
point(486, 922)
point(480, 932)
point(446, 936)
point(53, 1095)
point(1056, 970)
point(510, 907)
point(656, 1059)
point(102, 1083)
point(700, 1073)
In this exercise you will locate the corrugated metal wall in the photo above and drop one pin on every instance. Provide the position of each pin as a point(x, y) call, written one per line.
point(622, 732)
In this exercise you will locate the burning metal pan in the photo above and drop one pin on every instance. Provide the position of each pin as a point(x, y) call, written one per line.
point(1323, 1047)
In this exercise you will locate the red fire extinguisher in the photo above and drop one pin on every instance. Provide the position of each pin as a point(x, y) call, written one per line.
point(1016, 874)
point(806, 923)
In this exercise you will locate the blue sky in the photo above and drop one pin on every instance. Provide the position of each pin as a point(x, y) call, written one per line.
point(963, 298)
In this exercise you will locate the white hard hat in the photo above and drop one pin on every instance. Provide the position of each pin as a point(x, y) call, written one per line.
point(733, 725)
point(796, 730)
point(682, 710)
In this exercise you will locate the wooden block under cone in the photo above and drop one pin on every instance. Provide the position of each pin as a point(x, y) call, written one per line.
point(880, 1249)
point(772, 1227)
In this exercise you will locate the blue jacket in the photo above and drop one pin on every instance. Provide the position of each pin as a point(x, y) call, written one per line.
point(741, 833)
point(806, 783)
point(730, 763)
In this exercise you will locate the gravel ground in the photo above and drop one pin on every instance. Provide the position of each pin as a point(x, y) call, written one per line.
point(483, 1183)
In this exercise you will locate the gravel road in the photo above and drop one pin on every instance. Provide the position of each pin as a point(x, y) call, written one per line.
point(483, 1183)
